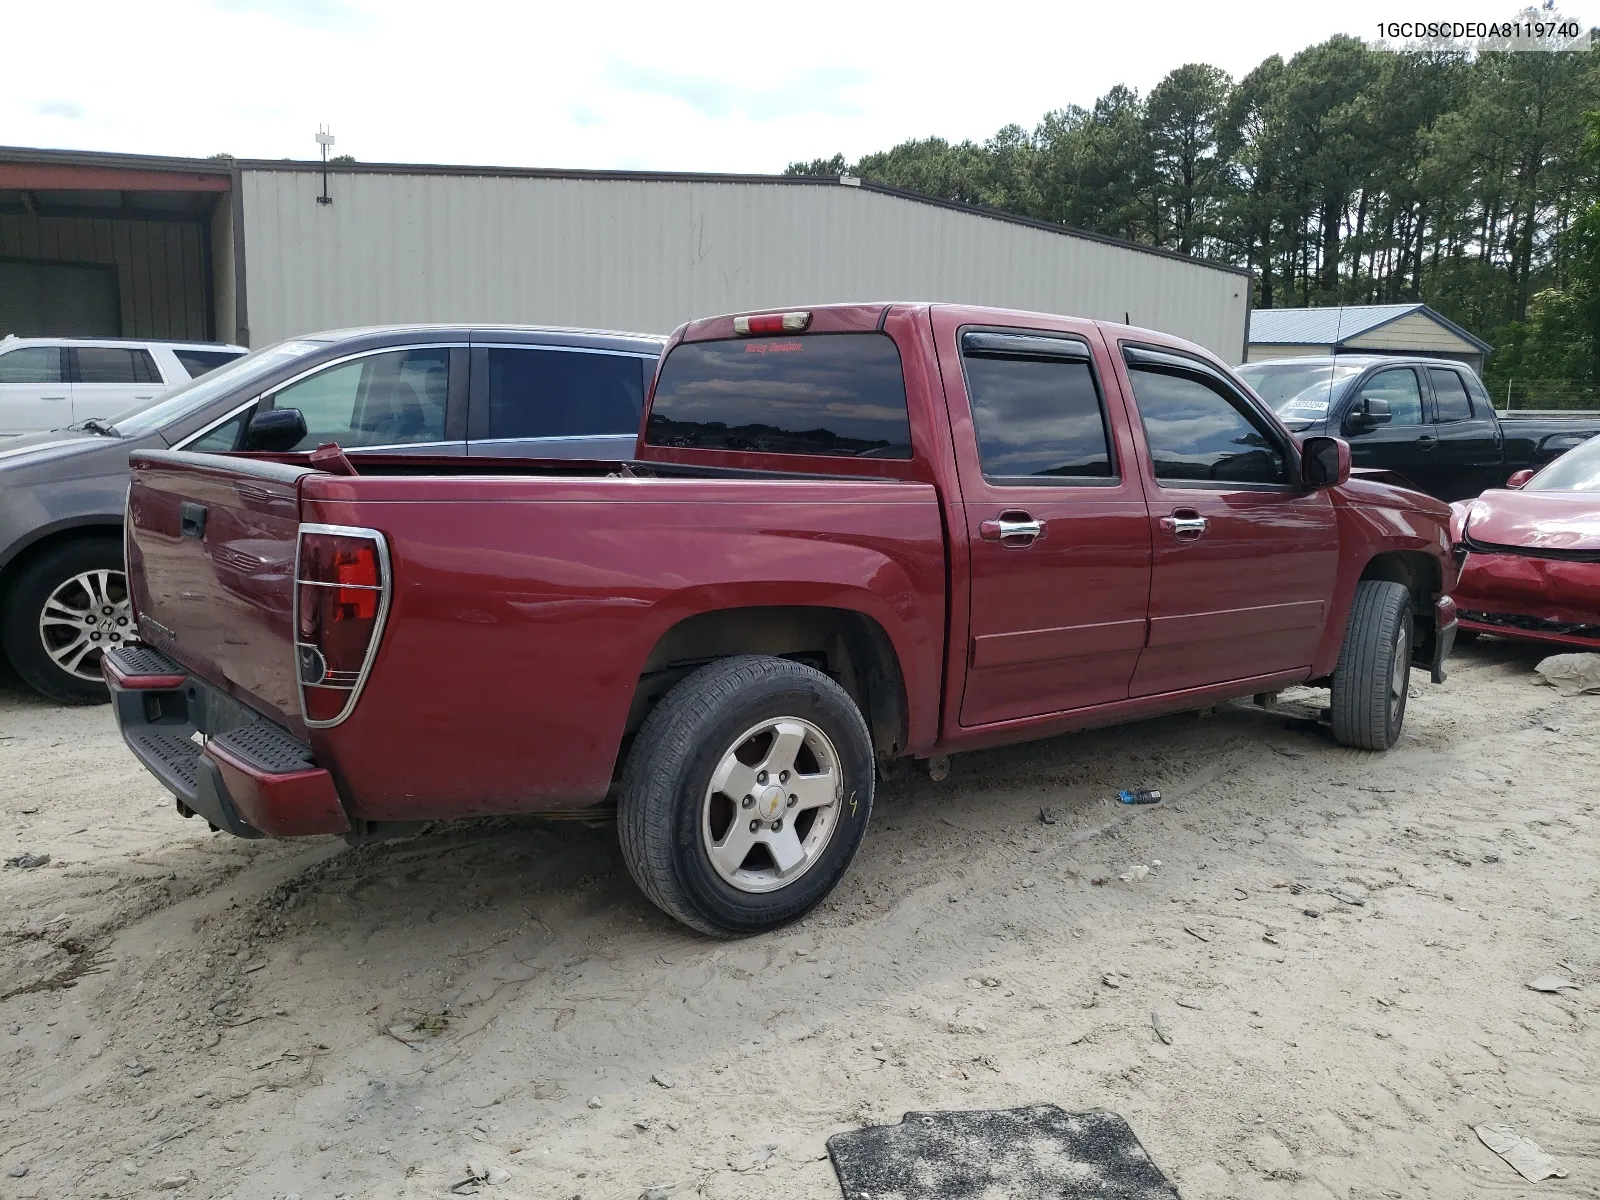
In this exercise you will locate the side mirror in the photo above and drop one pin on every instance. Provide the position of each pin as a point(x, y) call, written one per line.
point(1519, 478)
point(277, 431)
point(1371, 413)
point(1324, 462)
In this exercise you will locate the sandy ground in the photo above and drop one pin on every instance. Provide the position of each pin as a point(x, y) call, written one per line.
point(221, 1018)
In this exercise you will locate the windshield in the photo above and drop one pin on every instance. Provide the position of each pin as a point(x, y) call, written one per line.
point(1578, 470)
point(197, 393)
point(1299, 391)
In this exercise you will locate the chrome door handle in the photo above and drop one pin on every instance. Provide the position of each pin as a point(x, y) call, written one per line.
point(1012, 526)
point(1185, 529)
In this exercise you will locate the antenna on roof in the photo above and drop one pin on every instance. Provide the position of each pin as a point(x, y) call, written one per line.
point(324, 139)
point(1333, 368)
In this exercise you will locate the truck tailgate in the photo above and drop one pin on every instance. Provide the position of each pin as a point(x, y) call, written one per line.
point(211, 550)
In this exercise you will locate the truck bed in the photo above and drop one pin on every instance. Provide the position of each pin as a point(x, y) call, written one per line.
point(515, 636)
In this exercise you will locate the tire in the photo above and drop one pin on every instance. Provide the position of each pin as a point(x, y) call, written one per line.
point(96, 564)
point(1374, 672)
point(669, 818)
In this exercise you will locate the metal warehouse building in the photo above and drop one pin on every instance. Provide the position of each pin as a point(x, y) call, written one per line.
point(252, 251)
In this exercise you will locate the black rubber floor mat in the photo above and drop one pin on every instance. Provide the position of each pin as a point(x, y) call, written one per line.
point(1038, 1153)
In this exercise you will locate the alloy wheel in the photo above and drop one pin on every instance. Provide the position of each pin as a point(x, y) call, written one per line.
point(1399, 673)
point(772, 804)
point(84, 617)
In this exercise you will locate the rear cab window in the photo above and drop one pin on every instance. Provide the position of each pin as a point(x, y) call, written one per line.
point(827, 395)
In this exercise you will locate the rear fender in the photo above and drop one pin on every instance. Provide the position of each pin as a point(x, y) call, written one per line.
point(850, 630)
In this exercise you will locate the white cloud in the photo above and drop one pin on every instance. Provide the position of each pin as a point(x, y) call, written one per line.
point(726, 87)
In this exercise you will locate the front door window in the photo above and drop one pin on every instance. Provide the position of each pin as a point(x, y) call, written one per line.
point(395, 398)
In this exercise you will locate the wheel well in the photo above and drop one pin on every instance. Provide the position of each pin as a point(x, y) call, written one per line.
point(44, 545)
point(849, 647)
point(1416, 570)
point(1420, 575)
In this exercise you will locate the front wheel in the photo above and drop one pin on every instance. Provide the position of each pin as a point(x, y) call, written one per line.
point(65, 609)
point(1373, 677)
point(746, 795)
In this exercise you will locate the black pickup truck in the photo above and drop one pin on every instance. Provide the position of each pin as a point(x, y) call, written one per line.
point(1428, 420)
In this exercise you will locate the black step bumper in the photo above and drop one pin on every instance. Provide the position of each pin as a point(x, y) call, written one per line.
point(224, 762)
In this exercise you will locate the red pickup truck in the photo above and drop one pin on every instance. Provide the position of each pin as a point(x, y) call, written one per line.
point(849, 536)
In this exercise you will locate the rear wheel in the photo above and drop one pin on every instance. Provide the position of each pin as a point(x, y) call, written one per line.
point(65, 609)
point(1373, 677)
point(746, 795)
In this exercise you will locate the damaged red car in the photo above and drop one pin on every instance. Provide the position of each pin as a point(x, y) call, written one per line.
point(1530, 554)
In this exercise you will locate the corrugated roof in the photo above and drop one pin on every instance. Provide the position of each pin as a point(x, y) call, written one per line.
point(1336, 326)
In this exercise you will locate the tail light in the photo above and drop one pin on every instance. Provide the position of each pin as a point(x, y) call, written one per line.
point(341, 597)
point(789, 322)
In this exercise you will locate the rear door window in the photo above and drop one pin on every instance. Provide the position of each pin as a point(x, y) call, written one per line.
point(395, 398)
point(1036, 409)
point(563, 393)
point(113, 364)
point(1449, 395)
point(1482, 405)
point(839, 394)
point(31, 364)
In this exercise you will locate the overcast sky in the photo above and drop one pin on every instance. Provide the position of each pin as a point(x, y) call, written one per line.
point(732, 86)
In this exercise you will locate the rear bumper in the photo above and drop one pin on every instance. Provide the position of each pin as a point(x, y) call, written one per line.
point(224, 762)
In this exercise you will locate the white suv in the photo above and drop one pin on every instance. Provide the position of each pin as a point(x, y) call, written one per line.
point(48, 383)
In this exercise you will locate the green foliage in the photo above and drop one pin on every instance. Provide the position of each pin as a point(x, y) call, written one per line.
point(1342, 176)
point(1551, 358)
point(818, 166)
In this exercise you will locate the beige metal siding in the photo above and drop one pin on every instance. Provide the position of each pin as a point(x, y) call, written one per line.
point(647, 255)
point(222, 269)
point(161, 279)
point(1266, 351)
point(1417, 332)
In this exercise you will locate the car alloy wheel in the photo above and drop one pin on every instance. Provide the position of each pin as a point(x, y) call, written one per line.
point(84, 617)
point(772, 804)
point(1399, 677)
